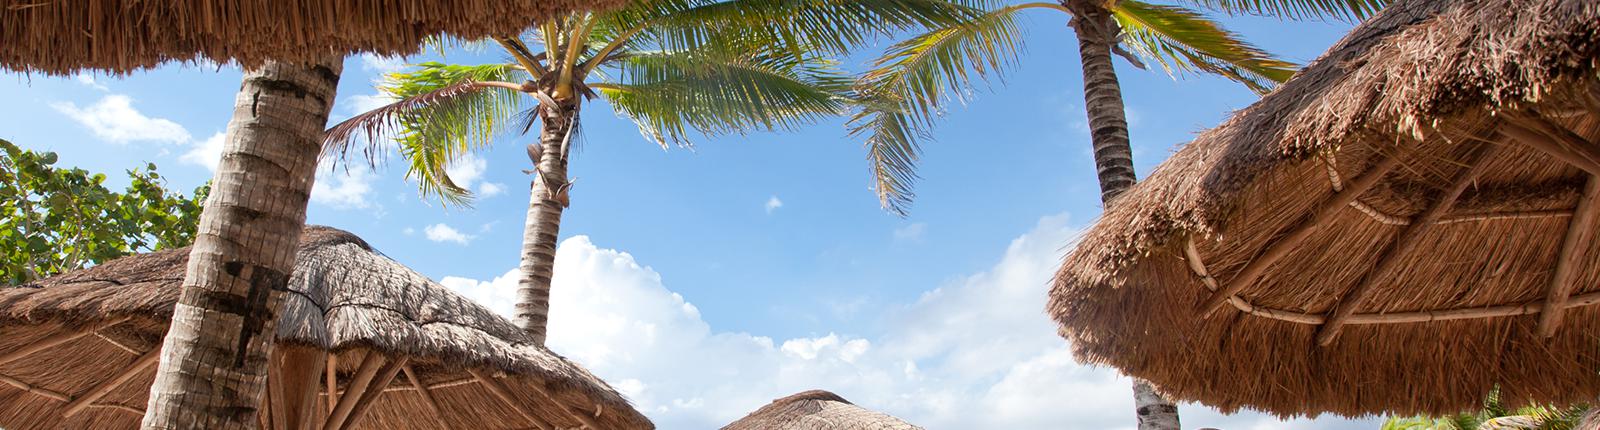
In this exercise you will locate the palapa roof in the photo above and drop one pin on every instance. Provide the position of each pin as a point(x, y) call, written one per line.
point(817, 410)
point(1408, 200)
point(344, 297)
point(64, 37)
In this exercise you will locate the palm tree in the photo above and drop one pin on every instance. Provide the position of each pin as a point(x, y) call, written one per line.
point(1495, 416)
point(213, 365)
point(675, 67)
point(906, 88)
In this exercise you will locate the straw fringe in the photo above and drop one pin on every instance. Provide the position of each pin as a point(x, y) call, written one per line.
point(817, 410)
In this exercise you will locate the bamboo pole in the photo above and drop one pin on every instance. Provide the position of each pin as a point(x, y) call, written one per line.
point(45, 392)
point(332, 380)
point(1554, 140)
point(1391, 257)
point(106, 386)
point(1329, 209)
point(293, 385)
point(427, 397)
point(55, 339)
point(372, 392)
point(1580, 236)
point(352, 393)
point(500, 390)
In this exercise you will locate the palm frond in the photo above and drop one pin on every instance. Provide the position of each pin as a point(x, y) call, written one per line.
point(670, 93)
point(443, 112)
point(1182, 40)
point(907, 88)
point(1297, 9)
point(832, 26)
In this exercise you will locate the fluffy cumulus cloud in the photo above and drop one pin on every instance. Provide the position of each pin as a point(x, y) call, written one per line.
point(977, 352)
point(444, 233)
point(342, 188)
point(773, 203)
point(467, 172)
point(114, 119)
point(206, 153)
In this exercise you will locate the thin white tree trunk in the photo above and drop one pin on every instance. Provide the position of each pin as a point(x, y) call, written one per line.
point(1113, 155)
point(547, 200)
point(214, 358)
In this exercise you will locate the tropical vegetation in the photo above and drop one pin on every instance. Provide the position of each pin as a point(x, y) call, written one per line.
point(1496, 416)
point(55, 219)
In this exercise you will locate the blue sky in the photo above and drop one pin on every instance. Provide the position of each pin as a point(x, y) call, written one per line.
point(705, 282)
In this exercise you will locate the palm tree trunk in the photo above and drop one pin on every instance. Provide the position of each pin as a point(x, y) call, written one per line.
point(213, 361)
point(1113, 155)
point(547, 200)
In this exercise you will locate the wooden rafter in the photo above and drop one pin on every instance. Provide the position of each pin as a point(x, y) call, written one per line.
point(352, 393)
point(53, 340)
point(105, 387)
point(332, 380)
point(1553, 140)
point(499, 390)
point(372, 392)
point(46, 392)
point(1329, 209)
point(1580, 235)
point(1392, 256)
point(292, 387)
point(427, 396)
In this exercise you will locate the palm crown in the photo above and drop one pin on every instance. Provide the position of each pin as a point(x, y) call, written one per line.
point(672, 66)
point(907, 87)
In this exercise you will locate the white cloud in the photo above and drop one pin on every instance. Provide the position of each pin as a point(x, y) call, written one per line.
point(408, 231)
point(912, 232)
point(444, 233)
point(89, 81)
point(773, 203)
point(491, 189)
point(366, 102)
point(378, 64)
point(978, 343)
point(207, 153)
point(342, 188)
point(113, 118)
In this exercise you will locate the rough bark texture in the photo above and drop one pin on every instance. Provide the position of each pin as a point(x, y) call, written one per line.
point(1113, 155)
point(547, 200)
point(214, 360)
point(1102, 96)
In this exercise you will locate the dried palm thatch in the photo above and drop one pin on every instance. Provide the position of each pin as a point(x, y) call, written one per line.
point(63, 37)
point(817, 410)
point(1403, 226)
point(397, 350)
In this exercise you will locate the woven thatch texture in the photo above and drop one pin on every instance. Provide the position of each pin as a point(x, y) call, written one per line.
point(817, 410)
point(345, 297)
point(63, 37)
point(1430, 83)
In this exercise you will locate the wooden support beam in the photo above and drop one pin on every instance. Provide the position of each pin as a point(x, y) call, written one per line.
point(1554, 140)
point(1572, 261)
point(427, 397)
point(576, 413)
point(352, 392)
point(1390, 258)
point(1329, 209)
point(373, 391)
point(499, 390)
point(45, 392)
point(292, 385)
point(333, 380)
point(53, 340)
point(105, 387)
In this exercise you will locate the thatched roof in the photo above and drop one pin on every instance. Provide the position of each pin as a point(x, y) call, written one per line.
point(1385, 230)
point(344, 297)
point(817, 410)
point(63, 37)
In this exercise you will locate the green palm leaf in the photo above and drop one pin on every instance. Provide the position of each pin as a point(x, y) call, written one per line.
point(1182, 40)
point(907, 87)
point(670, 93)
point(440, 115)
point(1297, 9)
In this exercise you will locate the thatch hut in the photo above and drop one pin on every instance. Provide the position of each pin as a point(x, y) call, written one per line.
point(63, 37)
point(817, 410)
point(1405, 225)
point(395, 350)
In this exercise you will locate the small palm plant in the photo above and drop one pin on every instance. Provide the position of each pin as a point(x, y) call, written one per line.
point(675, 67)
point(1495, 416)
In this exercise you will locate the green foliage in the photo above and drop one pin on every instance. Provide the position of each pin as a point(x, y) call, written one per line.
point(443, 129)
point(54, 219)
point(908, 87)
point(1495, 416)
